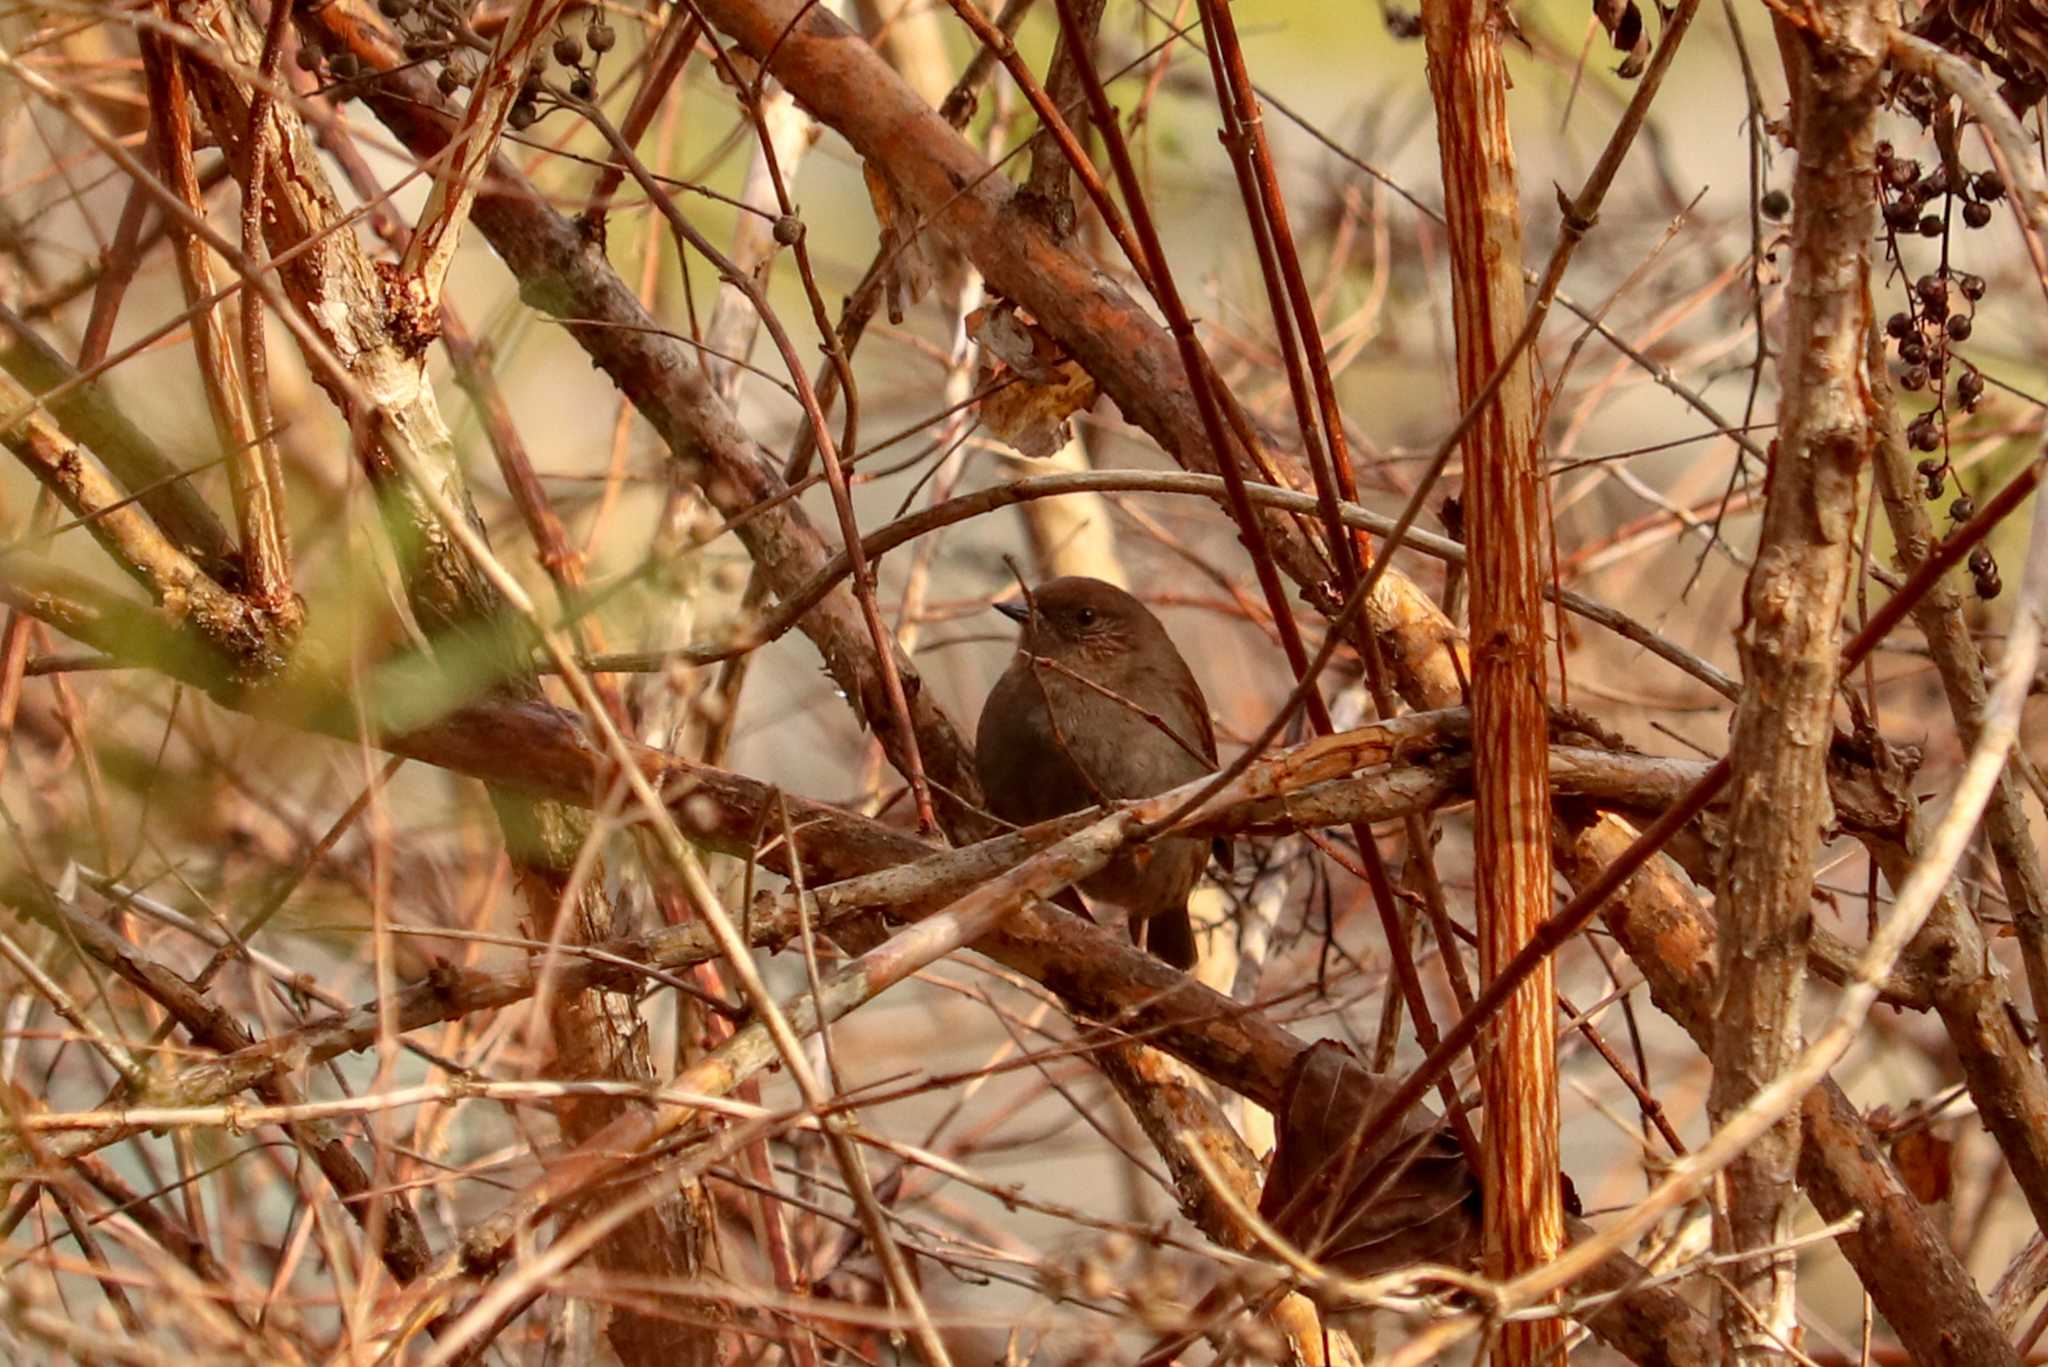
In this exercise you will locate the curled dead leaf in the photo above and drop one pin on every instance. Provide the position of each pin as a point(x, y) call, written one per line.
point(1926, 1164)
point(1016, 341)
point(1032, 388)
point(1032, 418)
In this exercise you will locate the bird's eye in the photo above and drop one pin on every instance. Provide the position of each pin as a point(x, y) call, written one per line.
point(1086, 617)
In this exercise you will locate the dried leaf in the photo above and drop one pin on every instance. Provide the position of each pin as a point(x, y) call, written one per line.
point(1926, 1164)
point(1016, 341)
point(1032, 418)
point(1045, 388)
point(738, 70)
point(2018, 29)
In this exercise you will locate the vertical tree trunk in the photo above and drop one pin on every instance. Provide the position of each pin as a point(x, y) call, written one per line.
point(1524, 1216)
point(1791, 650)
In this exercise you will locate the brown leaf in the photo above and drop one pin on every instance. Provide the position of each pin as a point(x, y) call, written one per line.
point(1016, 341)
point(1319, 1192)
point(1032, 418)
point(738, 70)
point(1045, 388)
point(2018, 29)
point(1926, 1164)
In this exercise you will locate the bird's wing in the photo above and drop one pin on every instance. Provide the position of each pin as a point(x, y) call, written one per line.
point(1205, 730)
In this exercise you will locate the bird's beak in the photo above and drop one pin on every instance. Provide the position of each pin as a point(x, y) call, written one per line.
point(1018, 612)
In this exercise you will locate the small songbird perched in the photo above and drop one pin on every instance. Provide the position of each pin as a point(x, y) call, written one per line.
point(1098, 706)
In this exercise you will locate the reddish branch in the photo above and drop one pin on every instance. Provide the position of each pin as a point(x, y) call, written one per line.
point(224, 621)
point(1099, 976)
point(403, 1245)
point(1503, 492)
point(88, 415)
point(1137, 362)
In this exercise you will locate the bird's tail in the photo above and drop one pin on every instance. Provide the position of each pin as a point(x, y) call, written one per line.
point(1170, 936)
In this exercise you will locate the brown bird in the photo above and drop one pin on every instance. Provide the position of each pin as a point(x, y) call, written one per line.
point(1098, 706)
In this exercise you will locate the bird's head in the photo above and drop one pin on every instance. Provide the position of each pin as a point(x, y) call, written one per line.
point(1085, 619)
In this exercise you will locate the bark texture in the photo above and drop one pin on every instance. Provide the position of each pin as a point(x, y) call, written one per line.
point(1524, 1215)
point(1905, 1262)
point(1791, 649)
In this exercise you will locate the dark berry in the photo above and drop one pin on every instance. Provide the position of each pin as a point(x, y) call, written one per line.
point(1930, 225)
point(1923, 436)
point(1981, 562)
point(568, 51)
point(1933, 292)
point(789, 230)
point(1934, 487)
point(1900, 215)
point(1990, 186)
point(1928, 468)
point(1976, 215)
point(582, 87)
point(1912, 351)
point(1902, 171)
point(1970, 388)
point(1988, 586)
point(524, 113)
point(1963, 509)
point(1899, 325)
point(1776, 205)
point(600, 37)
point(1934, 183)
point(1959, 328)
point(1914, 378)
point(1973, 286)
point(307, 58)
point(448, 81)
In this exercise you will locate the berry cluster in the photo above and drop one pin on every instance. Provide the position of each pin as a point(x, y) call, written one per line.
point(1984, 569)
point(1910, 193)
point(577, 56)
point(431, 31)
point(1940, 308)
point(1923, 335)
